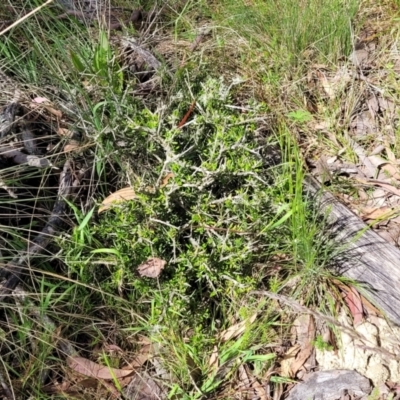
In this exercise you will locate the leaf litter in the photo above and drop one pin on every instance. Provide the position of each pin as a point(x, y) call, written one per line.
point(152, 267)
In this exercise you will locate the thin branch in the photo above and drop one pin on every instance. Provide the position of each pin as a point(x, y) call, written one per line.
point(22, 19)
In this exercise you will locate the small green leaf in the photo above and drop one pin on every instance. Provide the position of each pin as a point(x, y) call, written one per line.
point(85, 221)
point(77, 61)
point(106, 251)
point(300, 116)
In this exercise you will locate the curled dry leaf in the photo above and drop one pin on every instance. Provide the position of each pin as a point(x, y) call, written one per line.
point(94, 370)
point(384, 213)
point(374, 182)
point(288, 359)
point(152, 267)
point(327, 86)
point(305, 332)
point(65, 132)
point(214, 360)
point(354, 302)
point(113, 348)
point(40, 100)
point(119, 196)
point(237, 329)
point(244, 385)
point(45, 103)
point(73, 145)
point(166, 178)
point(54, 112)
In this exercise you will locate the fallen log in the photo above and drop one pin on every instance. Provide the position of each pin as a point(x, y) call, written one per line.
point(362, 254)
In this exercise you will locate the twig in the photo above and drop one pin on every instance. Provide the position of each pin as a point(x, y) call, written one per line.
point(187, 115)
point(134, 17)
point(13, 270)
point(8, 393)
point(197, 41)
point(34, 11)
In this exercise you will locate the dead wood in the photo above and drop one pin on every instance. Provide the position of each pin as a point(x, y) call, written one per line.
point(364, 256)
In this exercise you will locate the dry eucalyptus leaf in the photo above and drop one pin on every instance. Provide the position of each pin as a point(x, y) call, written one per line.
point(305, 333)
point(117, 197)
point(152, 267)
point(327, 86)
point(73, 145)
point(166, 178)
point(301, 358)
point(237, 329)
point(94, 370)
point(376, 213)
point(214, 360)
point(288, 359)
point(244, 384)
point(354, 302)
point(391, 170)
point(65, 132)
point(374, 182)
point(54, 112)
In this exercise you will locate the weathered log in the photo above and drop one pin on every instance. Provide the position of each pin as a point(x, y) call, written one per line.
point(331, 385)
point(363, 255)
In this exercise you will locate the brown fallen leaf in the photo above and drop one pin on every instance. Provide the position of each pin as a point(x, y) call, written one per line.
point(237, 329)
point(166, 179)
point(119, 196)
point(73, 145)
point(94, 370)
point(287, 360)
point(135, 363)
point(65, 132)
point(214, 360)
point(244, 386)
point(391, 170)
point(305, 330)
point(152, 267)
point(327, 86)
point(301, 357)
point(54, 112)
point(376, 213)
point(369, 308)
point(375, 182)
point(113, 348)
point(354, 302)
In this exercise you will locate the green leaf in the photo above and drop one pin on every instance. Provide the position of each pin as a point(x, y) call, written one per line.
point(258, 357)
point(77, 61)
point(106, 251)
point(300, 116)
point(85, 221)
